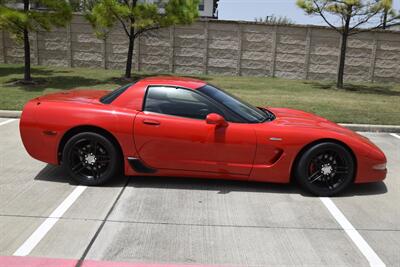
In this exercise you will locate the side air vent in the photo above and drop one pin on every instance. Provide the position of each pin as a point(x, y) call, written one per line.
point(139, 166)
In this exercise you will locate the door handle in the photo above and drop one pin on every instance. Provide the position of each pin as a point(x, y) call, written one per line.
point(151, 122)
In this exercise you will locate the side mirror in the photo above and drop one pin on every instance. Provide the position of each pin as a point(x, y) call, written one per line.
point(216, 119)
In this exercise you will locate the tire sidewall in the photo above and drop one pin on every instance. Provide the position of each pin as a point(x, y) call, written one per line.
point(301, 173)
point(112, 169)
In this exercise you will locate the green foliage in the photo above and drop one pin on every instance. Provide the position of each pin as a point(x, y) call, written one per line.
point(353, 13)
point(276, 20)
point(142, 16)
point(52, 13)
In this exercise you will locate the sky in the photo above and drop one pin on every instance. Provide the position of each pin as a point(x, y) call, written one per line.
point(250, 9)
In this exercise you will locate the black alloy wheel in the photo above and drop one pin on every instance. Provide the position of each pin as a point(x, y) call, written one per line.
point(325, 169)
point(91, 159)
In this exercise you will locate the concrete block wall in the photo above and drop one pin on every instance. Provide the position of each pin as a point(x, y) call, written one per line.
point(219, 48)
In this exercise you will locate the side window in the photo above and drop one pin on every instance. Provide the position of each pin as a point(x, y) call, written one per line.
point(178, 102)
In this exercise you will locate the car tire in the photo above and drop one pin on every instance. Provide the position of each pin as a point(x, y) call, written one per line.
point(91, 158)
point(325, 169)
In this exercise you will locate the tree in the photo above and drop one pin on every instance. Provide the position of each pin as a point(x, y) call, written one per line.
point(281, 20)
point(19, 22)
point(355, 16)
point(387, 9)
point(137, 18)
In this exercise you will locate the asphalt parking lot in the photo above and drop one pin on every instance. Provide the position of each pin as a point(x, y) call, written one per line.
point(192, 221)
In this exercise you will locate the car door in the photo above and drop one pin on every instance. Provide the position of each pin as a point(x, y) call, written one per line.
point(171, 133)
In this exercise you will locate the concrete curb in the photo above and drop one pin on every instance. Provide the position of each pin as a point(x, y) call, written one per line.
point(372, 128)
point(14, 114)
point(354, 127)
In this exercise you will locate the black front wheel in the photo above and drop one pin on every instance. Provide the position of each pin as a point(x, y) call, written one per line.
point(91, 159)
point(325, 169)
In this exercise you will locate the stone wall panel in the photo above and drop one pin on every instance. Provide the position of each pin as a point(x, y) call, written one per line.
point(323, 69)
point(323, 60)
point(358, 61)
point(189, 43)
point(222, 63)
point(87, 47)
point(389, 46)
point(389, 55)
point(256, 55)
point(222, 53)
point(85, 56)
point(55, 62)
point(256, 37)
point(188, 52)
point(253, 64)
point(185, 52)
point(292, 39)
point(291, 49)
point(53, 45)
point(189, 61)
point(290, 58)
point(256, 46)
point(290, 67)
point(189, 70)
point(223, 44)
point(154, 60)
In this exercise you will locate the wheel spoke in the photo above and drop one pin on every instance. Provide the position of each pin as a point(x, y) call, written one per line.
point(314, 177)
point(342, 170)
point(327, 182)
point(78, 167)
point(93, 173)
point(93, 146)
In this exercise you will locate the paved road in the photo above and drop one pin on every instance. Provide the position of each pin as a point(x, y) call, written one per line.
point(190, 221)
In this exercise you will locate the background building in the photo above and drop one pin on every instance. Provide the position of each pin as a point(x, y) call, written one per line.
point(207, 8)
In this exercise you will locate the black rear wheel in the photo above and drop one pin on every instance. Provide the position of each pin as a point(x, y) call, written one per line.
point(325, 169)
point(91, 159)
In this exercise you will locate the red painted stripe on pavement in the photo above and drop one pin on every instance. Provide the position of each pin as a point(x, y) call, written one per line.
point(17, 261)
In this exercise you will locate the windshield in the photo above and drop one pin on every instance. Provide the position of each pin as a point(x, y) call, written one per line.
point(239, 107)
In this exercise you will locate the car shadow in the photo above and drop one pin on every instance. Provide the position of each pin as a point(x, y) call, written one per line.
point(58, 174)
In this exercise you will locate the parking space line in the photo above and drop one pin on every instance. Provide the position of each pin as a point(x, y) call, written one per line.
point(45, 227)
point(358, 240)
point(395, 135)
point(7, 121)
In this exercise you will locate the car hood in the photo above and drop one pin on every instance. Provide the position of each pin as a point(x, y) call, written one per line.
point(301, 119)
point(85, 96)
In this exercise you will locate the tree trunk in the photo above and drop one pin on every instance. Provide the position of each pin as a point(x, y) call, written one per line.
point(128, 68)
point(343, 48)
point(339, 83)
point(27, 49)
point(384, 19)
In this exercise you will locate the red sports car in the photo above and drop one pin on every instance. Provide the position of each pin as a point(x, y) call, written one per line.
point(171, 126)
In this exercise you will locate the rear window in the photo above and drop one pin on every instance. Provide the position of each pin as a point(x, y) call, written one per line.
point(110, 97)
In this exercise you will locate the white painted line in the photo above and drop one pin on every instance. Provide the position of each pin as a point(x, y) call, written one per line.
point(45, 227)
point(395, 135)
point(7, 121)
point(358, 240)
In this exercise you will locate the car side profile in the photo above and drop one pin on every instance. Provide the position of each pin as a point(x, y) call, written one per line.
point(182, 127)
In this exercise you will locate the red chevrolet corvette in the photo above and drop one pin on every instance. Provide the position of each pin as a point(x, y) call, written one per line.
point(170, 126)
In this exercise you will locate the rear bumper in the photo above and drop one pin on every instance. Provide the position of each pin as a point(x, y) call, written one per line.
point(38, 145)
